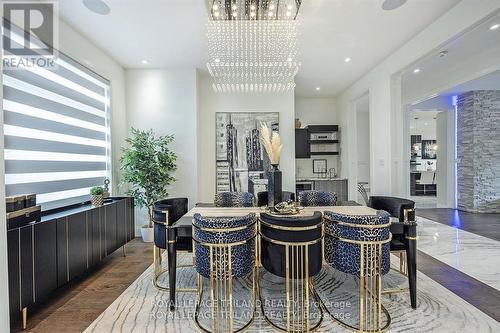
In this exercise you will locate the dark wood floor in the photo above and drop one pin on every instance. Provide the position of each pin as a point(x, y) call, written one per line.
point(486, 225)
point(80, 303)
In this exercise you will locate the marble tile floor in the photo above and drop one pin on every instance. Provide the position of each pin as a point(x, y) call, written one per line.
point(142, 308)
point(472, 254)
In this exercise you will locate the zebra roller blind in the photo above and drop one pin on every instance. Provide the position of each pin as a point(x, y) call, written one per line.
point(57, 133)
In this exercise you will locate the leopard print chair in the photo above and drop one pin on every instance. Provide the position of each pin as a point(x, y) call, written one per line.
point(224, 250)
point(218, 230)
point(234, 199)
point(343, 234)
point(317, 198)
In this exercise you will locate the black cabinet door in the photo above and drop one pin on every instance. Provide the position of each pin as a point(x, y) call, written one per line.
point(77, 244)
point(13, 248)
point(62, 251)
point(110, 228)
point(45, 252)
point(95, 246)
point(131, 217)
point(302, 148)
point(26, 251)
point(121, 223)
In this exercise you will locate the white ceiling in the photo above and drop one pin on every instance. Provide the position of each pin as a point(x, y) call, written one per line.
point(171, 34)
point(472, 56)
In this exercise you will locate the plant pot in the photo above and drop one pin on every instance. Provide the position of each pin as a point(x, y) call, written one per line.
point(147, 234)
point(97, 200)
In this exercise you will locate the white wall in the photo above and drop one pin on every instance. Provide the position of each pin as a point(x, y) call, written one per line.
point(315, 111)
point(211, 102)
point(383, 83)
point(363, 145)
point(166, 101)
point(445, 175)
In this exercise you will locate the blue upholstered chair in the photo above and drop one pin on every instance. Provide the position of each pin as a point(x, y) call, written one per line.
point(223, 230)
point(234, 199)
point(224, 249)
point(359, 245)
point(317, 198)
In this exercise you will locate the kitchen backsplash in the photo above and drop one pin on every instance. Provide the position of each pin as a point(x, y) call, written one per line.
point(304, 167)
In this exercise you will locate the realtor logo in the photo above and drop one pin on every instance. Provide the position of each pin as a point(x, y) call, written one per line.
point(29, 34)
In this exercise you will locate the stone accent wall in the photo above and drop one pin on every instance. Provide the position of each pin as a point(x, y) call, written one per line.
point(478, 149)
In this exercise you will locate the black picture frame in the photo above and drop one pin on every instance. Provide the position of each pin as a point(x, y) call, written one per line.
point(320, 166)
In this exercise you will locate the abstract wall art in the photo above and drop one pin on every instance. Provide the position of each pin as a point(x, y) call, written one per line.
point(241, 161)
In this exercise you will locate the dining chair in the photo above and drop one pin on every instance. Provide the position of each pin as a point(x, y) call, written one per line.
point(224, 250)
point(359, 245)
point(234, 199)
point(262, 197)
point(404, 238)
point(165, 213)
point(291, 248)
point(317, 198)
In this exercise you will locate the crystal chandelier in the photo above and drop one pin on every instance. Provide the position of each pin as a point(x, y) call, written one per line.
point(252, 45)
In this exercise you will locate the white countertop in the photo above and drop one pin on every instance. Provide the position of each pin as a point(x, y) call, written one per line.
point(315, 179)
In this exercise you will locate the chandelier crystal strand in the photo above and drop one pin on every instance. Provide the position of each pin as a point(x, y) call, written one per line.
point(252, 45)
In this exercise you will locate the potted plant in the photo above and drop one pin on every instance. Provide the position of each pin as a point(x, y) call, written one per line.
point(97, 196)
point(147, 165)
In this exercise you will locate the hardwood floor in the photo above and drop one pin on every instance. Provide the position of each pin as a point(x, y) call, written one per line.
point(76, 306)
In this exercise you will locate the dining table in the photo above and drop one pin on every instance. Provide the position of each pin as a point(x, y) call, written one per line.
point(183, 227)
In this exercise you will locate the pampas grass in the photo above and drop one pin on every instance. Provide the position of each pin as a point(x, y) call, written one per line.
point(272, 143)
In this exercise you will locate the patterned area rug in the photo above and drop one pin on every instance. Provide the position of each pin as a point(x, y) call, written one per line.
point(142, 308)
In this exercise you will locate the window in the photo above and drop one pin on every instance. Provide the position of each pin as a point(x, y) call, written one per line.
point(57, 133)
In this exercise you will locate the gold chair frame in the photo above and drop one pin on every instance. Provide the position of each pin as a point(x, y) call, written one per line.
point(370, 281)
point(221, 281)
point(158, 270)
point(403, 267)
point(297, 289)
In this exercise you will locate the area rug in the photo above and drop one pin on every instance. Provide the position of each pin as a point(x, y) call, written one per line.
point(143, 309)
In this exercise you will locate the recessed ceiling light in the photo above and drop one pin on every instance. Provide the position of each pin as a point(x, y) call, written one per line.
point(97, 6)
point(393, 4)
point(443, 54)
point(318, 88)
point(144, 62)
point(347, 59)
point(416, 70)
point(495, 26)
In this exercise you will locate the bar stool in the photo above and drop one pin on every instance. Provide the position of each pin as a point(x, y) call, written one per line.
point(291, 249)
point(165, 213)
point(224, 250)
point(359, 245)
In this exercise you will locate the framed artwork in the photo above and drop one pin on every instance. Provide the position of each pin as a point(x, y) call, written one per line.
point(241, 161)
point(320, 166)
point(429, 150)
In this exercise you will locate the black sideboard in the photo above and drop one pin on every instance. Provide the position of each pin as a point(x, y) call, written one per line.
point(44, 256)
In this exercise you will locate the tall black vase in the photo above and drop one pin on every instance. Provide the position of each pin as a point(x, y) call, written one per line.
point(274, 187)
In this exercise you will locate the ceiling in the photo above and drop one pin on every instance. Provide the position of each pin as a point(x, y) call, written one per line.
point(471, 56)
point(171, 34)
